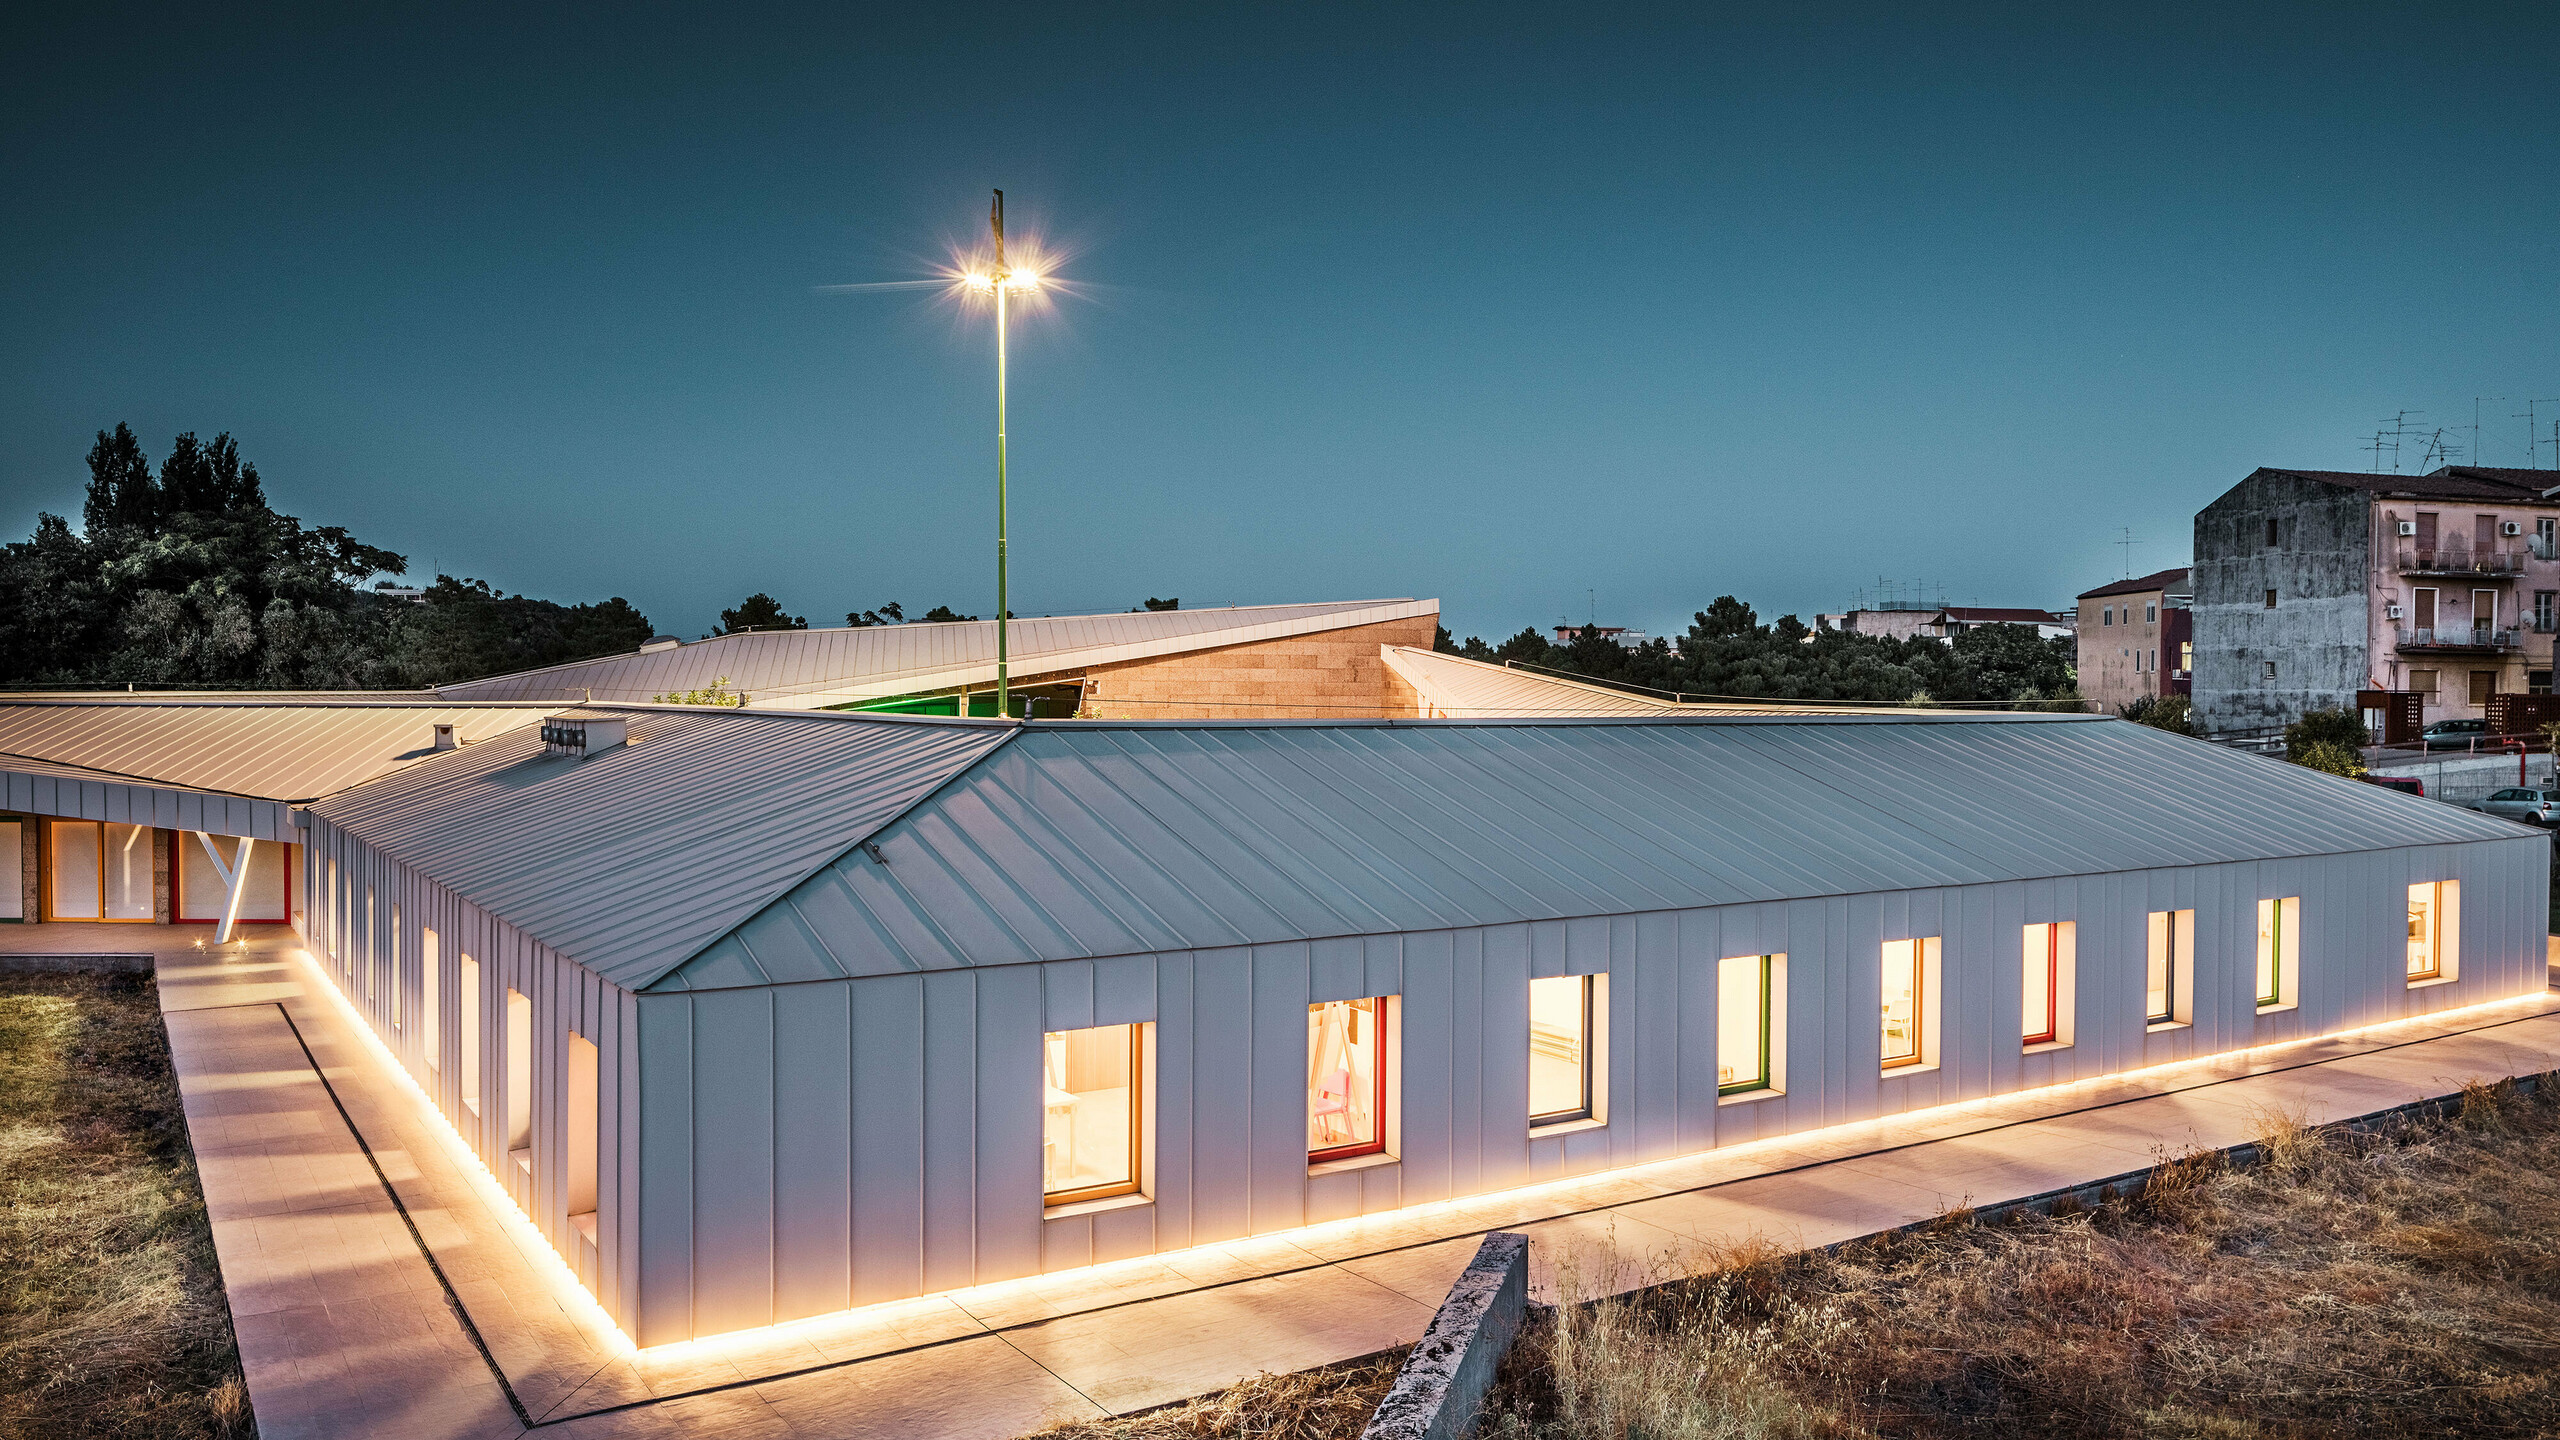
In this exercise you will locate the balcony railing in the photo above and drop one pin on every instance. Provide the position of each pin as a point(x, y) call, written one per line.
point(2481, 638)
point(2464, 561)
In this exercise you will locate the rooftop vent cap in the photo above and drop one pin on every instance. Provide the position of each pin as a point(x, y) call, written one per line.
point(656, 643)
point(579, 736)
point(443, 739)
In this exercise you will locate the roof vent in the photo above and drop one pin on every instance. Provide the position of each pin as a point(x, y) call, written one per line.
point(443, 739)
point(582, 735)
point(656, 643)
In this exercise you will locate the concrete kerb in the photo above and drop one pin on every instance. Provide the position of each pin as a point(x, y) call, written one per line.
point(1443, 1383)
point(99, 964)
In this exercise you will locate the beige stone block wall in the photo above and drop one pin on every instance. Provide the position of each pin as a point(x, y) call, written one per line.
point(1327, 675)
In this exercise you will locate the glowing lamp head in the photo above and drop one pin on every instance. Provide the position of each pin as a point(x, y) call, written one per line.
point(1022, 280)
point(983, 284)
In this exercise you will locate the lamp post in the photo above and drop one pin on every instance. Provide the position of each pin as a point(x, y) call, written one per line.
point(1001, 282)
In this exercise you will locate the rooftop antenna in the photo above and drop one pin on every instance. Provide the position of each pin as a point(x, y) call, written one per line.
point(1594, 597)
point(2532, 433)
point(2475, 424)
point(2127, 543)
point(2382, 442)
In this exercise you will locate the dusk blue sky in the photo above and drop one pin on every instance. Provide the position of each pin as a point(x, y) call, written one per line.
point(1504, 306)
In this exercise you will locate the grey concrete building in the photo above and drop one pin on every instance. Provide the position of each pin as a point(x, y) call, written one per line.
point(2311, 585)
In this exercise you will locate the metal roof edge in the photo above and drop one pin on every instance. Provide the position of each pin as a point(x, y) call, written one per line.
point(120, 777)
point(1837, 717)
point(783, 892)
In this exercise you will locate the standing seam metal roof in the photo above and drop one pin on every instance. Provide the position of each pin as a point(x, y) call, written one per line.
point(634, 858)
point(810, 669)
point(1104, 839)
point(264, 750)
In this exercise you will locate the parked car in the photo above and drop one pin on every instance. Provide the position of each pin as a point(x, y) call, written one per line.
point(2519, 802)
point(2453, 734)
point(2406, 784)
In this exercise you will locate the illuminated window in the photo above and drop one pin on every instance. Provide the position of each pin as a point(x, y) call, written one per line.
point(520, 1080)
point(1906, 1000)
point(1562, 1011)
point(2168, 980)
point(1090, 1105)
point(331, 912)
point(467, 993)
point(1346, 1078)
point(2279, 950)
point(431, 989)
point(2041, 993)
point(2433, 922)
point(582, 1135)
point(101, 871)
point(396, 986)
point(1742, 1024)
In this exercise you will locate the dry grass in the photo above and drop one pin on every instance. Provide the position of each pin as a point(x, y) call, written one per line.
point(1308, 1405)
point(112, 1318)
point(2400, 1282)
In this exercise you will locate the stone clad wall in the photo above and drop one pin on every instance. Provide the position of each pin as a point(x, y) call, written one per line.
point(1328, 675)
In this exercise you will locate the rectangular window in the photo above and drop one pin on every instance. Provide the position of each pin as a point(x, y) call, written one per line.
point(468, 995)
point(2041, 1012)
point(2187, 655)
point(2484, 683)
point(198, 891)
point(1346, 1078)
point(372, 947)
point(1561, 1014)
point(1742, 1024)
point(2271, 670)
point(2271, 532)
point(2423, 681)
point(1905, 1001)
point(1091, 1118)
point(331, 913)
point(2151, 612)
point(2271, 599)
point(2279, 949)
point(430, 989)
point(2543, 605)
point(2434, 924)
point(2169, 979)
point(101, 871)
point(2106, 615)
point(13, 859)
point(582, 1135)
point(520, 1080)
point(397, 985)
point(2484, 613)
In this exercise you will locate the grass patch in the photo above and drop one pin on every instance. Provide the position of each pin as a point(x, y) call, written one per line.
point(112, 1318)
point(2401, 1281)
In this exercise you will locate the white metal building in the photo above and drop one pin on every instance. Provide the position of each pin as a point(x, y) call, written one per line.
point(765, 1015)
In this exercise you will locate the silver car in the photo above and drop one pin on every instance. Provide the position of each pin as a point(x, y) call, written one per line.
point(2518, 802)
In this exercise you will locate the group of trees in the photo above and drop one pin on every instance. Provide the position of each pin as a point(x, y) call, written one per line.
point(1728, 652)
point(190, 577)
point(762, 612)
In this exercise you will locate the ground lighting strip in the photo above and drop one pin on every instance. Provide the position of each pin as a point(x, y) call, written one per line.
point(582, 1304)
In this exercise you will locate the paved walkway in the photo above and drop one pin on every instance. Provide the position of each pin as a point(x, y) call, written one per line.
point(379, 1290)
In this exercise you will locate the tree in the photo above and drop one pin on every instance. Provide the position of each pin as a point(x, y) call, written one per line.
point(467, 629)
point(759, 612)
point(890, 614)
point(2343, 729)
point(2161, 712)
point(716, 694)
point(942, 615)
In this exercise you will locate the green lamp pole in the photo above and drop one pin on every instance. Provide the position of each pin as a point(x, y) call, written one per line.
point(1000, 283)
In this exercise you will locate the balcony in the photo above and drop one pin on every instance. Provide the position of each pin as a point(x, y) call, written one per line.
point(2482, 641)
point(2463, 562)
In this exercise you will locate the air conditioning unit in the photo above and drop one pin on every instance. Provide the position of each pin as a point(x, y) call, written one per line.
point(2390, 612)
point(2408, 527)
point(580, 735)
point(2511, 527)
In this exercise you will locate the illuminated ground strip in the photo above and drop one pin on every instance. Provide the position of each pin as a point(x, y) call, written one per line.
point(528, 1237)
point(575, 1298)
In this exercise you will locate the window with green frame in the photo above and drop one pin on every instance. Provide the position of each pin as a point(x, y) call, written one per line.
point(1742, 1023)
point(2278, 920)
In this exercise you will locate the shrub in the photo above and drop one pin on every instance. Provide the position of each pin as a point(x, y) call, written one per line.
point(2330, 757)
point(2342, 728)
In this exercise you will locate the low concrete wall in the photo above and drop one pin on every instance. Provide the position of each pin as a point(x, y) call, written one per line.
point(1443, 1382)
point(63, 964)
point(2456, 778)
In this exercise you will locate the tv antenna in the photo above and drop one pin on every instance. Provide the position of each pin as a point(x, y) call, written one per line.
point(2127, 544)
point(2533, 434)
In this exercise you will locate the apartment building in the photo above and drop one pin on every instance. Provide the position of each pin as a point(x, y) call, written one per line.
point(2137, 639)
point(2312, 585)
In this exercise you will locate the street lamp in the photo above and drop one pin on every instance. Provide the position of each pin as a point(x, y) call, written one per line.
point(1001, 282)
